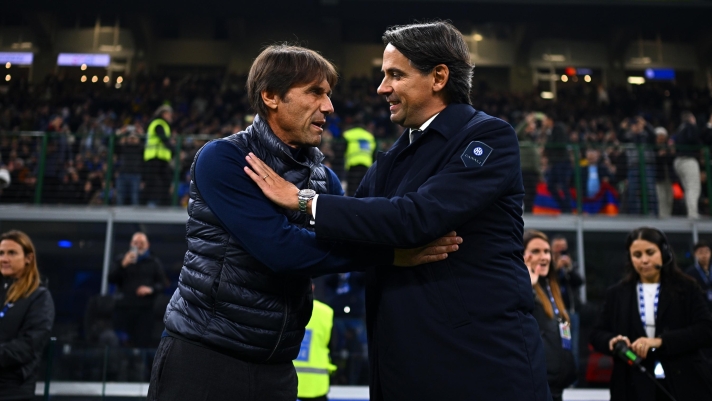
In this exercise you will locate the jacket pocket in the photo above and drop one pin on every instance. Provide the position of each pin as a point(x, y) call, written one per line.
point(454, 305)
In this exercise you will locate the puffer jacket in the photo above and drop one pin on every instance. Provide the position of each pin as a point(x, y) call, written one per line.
point(226, 299)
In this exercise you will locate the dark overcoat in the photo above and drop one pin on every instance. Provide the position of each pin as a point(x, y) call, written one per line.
point(460, 329)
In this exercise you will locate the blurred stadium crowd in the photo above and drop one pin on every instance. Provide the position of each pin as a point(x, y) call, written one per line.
point(587, 125)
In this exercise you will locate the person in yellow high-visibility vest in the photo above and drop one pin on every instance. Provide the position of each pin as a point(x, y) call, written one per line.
point(360, 147)
point(157, 156)
point(313, 364)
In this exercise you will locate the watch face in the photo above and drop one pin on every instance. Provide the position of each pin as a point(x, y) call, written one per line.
point(307, 193)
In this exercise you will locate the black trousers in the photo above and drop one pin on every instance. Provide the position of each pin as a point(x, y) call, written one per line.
point(137, 322)
point(183, 371)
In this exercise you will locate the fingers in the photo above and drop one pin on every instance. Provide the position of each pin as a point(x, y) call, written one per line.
point(641, 347)
point(446, 240)
point(617, 338)
point(435, 250)
point(258, 165)
point(434, 258)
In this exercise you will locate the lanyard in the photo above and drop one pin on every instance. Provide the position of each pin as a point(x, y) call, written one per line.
point(5, 309)
point(641, 300)
point(553, 302)
point(705, 277)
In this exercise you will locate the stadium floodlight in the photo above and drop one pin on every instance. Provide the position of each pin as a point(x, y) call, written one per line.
point(554, 58)
point(636, 80)
point(640, 60)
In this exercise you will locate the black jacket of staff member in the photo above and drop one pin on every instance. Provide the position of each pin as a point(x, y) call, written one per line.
point(682, 327)
point(26, 317)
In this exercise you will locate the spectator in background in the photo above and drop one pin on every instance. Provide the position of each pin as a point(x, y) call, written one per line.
point(664, 156)
point(560, 169)
point(550, 313)
point(687, 167)
point(360, 147)
point(530, 155)
point(128, 180)
point(26, 316)
point(594, 173)
point(700, 270)
point(158, 156)
point(638, 133)
point(139, 277)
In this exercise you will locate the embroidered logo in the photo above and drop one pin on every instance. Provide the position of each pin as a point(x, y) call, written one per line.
point(476, 154)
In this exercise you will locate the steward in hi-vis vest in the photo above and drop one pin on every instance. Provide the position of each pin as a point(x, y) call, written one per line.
point(313, 365)
point(157, 157)
point(360, 146)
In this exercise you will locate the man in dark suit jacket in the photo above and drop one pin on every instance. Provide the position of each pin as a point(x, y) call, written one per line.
point(460, 329)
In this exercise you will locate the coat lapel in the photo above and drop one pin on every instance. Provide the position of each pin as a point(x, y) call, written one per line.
point(386, 160)
point(634, 310)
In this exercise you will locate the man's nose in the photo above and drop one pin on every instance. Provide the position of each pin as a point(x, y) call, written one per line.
point(327, 107)
point(383, 88)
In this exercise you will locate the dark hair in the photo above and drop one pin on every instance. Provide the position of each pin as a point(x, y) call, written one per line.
point(701, 244)
point(669, 268)
point(280, 67)
point(429, 44)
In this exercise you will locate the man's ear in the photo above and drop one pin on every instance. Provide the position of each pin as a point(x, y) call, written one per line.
point(270, 99)
point(440, 74)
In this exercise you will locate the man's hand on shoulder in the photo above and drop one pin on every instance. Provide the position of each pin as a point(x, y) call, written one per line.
point(433, 252)
point(277, 189)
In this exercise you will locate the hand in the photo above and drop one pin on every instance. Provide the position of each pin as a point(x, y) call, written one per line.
point(129, 259)
point(642, 345)
point(617, 338)
point(533, 277)
point(275, 188)
point(433, 252)
point(144, 290)
point(564, 262)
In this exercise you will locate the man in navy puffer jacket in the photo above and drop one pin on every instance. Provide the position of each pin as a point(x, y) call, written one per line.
point(244, 296)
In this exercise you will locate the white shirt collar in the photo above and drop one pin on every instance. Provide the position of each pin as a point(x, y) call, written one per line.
point(422, 127)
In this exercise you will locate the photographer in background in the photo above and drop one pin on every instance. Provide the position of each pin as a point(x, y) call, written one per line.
point(139, 277)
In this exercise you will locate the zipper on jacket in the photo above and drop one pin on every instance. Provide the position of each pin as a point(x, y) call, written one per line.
point(281, 332)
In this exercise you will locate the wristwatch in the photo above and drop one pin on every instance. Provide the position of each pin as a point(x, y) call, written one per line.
point(304, 195)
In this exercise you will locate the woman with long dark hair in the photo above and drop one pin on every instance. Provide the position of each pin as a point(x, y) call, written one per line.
point(550, 313)
point(26, 317)
point(659, 313)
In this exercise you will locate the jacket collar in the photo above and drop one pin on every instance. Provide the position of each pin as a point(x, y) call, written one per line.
point(449, 122)
point(273, 145)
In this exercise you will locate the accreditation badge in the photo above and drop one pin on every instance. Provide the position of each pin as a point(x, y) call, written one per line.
point(565, 332)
